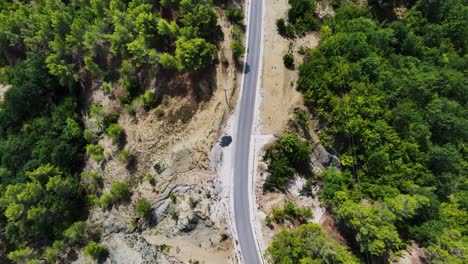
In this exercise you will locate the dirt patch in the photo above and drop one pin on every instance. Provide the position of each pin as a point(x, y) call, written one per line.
point(278, 83)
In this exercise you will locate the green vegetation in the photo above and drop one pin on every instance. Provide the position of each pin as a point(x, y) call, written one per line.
point(143, 209)
point(53, 53)
point(291, 213)
point(115, 132)
point(301, 19)
point(119, 192)
point(235, 15)
point(95, 151)
point(307, 244)
point(391, 99)
point(125, 156)
point(95, 250)
point(238, 49)
point(287, 156)
point(288, 60)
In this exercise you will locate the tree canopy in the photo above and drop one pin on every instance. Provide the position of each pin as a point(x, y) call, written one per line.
point(392, 100)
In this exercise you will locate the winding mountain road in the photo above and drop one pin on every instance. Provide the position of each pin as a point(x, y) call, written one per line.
point(242, 214)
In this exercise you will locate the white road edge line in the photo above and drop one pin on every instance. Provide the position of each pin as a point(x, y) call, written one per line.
point(234, 130)
point(255, 223)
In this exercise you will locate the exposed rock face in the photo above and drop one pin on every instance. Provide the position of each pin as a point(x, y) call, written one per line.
point(324, 9)
point(321, 159)
point(131, 248)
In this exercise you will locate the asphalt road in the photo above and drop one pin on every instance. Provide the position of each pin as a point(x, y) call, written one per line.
point(245, 235)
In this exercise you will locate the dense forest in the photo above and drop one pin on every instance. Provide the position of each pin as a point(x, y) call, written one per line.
point(51, 53)
point(390, 94)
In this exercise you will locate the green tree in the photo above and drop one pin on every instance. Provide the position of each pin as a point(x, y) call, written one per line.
point(307, 244)
point(194, 54)
point(168, 61)
point(76, 233)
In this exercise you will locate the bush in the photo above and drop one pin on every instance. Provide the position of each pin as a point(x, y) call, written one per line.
point(281, 26)
point(237, 33)
point(88, 135)
point(148, 99)
point(287, 156)
point(143, 209)
point(53, 254)
point(159, 112)
point(106, 87)
point(94, 250)
point(129, 109)
point(106, 200)
point(75, 233)
point(115, 132)
point(235, 15)
point(307, 244)
point(151, 179)
point(120, 191)
point(291, 213)
point(23, 255)
point(125, 156)
point(95, 151)
point(288, 60)
point(172, 197)
point(237, 49)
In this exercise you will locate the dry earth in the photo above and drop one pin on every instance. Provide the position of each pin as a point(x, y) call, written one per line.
point(188, 222)
point(279, 96)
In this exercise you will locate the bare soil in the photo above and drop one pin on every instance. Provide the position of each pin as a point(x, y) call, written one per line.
point(278, 82)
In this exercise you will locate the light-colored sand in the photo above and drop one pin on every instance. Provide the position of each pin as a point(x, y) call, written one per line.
point(278, 82)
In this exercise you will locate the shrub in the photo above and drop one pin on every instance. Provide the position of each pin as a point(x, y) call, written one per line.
point(148, 99)
point(235, 15)
point(151, 179)
point(23, 255)
point(88, 135)
point(106, 200)
point(172, 197)
point(125, 156)
point(143, 209)
point(287, 156)
point(159, 112)
point(268, 220)
point(52, 254)
point(291, 213)
point(95, 151)
point(237, 33)
point(237, 49)
point(281, 26)
point(288, 60)
point(120, 191)
point(94, 250)
point(115, 132)
point(75, 233)
point(129, 109)
point(106, 87)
